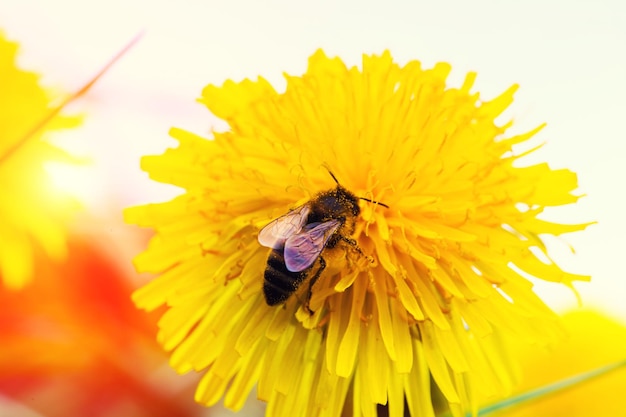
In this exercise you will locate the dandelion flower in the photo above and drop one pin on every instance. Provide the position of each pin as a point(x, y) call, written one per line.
point(438, 278)
point(30, 212)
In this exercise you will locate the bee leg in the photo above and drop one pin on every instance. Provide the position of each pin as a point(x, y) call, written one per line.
point(312, 282)
point(352, 243)
point(356, 247)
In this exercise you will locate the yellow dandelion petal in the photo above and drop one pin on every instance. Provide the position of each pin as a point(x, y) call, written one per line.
point(350, 340)
point(33, 216)
point(413, 268)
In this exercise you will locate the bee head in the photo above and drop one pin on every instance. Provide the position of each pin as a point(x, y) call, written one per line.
point(337, 203)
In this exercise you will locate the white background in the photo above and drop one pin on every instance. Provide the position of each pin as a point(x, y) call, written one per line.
point(568, 56)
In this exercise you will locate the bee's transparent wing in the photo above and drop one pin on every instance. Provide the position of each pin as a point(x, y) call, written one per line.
point(302, 249)
point(279, 230)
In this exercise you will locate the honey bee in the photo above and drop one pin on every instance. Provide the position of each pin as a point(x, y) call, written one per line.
point(298, 238)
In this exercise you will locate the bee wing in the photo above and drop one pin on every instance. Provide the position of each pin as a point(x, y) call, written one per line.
point(302, 249)
point(279, 230)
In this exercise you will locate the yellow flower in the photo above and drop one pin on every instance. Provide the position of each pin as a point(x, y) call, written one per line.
point(427, 287)
point(594, 340)
point(32, 215)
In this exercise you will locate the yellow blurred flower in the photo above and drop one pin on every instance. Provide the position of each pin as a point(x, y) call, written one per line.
point(439, 277)
point(31, 213)
point(594, 340)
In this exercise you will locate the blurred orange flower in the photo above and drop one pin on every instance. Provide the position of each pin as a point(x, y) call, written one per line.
point(74, 345)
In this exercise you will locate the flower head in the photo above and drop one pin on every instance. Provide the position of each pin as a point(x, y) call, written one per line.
point(31, 214)
point(428, 284)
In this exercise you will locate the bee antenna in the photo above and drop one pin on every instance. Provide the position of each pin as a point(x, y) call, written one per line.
point(374, 202)
point(332, 175)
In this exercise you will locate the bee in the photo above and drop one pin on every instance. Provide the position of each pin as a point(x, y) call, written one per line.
point(298, 238)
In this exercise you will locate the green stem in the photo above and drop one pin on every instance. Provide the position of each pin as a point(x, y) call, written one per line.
point(553, 388)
